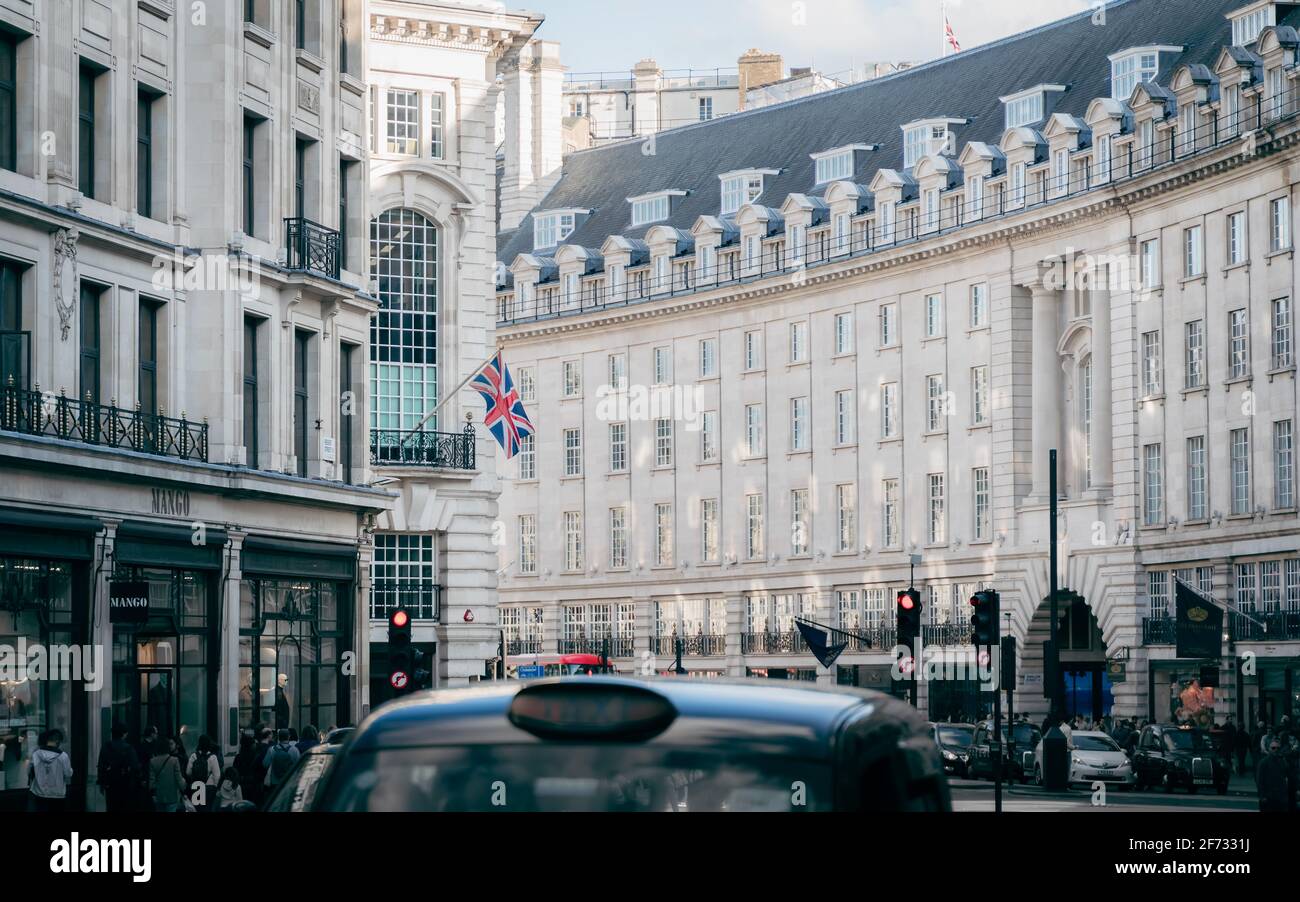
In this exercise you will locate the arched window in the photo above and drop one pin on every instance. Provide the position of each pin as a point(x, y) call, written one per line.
point(404, 333)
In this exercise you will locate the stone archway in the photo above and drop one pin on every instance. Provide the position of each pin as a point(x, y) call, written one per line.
point(1083, 659)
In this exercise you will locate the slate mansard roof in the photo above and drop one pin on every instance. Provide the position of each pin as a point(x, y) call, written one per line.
point(1072, 51)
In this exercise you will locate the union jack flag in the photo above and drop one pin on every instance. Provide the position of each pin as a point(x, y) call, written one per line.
point(505, 415)
point(950, 36)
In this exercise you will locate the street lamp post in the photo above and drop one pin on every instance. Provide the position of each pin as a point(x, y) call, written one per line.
point(1053, 666)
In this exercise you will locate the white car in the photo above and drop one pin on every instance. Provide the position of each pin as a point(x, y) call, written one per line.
point(1093, 756)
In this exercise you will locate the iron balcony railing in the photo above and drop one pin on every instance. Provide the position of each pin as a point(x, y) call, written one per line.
point(523, 646)
point(402, 448)
point(1158, 631)
point(1273, 626)
point(772, 643)
point(33, 412)
point(918, 217)
point(311, 247)
point(699, 645)
point(614, 646)
point(422, 600)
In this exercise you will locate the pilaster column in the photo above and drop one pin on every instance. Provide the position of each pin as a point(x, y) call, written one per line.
point(228, 675)
point(735, 626)
point(1102, 450)
point(1046, 425)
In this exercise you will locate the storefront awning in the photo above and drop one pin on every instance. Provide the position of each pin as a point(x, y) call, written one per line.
point(29, 533)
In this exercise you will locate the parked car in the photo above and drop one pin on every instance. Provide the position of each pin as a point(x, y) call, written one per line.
point(1170, 755)
point(298, 789)
point(1019, 765)
point(1093, 756)
point(953, 741)
point(621, 743)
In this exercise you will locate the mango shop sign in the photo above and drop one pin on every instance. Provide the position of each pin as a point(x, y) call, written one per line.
point(128, 602)
point(172, 502)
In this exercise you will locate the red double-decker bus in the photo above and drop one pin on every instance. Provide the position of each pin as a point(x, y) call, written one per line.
point(535, 666)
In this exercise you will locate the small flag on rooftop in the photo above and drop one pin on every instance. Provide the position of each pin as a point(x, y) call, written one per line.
point(948, 35)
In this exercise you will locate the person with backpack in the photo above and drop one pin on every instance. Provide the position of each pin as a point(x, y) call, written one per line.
point(119, 772)
point(229, 793)
point(280, 759)
point(49, 773)
point(165, 778)
point(203, 767)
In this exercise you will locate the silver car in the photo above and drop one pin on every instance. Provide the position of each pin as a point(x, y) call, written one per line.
point(1093, 756)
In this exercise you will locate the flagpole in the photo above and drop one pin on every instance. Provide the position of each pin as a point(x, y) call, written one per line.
point(1229, 608)
point(943, 29)
point(451, 394)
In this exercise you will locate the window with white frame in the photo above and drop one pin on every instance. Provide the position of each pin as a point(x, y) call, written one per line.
point(1153, 508)
point(800, 522)
point(1196, 478)
point(843, 333)
point(1061, 169)
point(660, 277)
point(835, 167)
point(528, 543)
point(975, 196)
point(740, 189)
point(706, 109)
point(979, 306)
point(1160, 587)
point(799, 341)
point(1193, 253)
point(1146, 143)
point(891, 534)
point(708, 358)
point(933, 315)
point(847, 606)
point(798, 424)
point(573, 541)
point(618, 370)
point(708, 263)
point(1194, 354)
point(889, 410)
point(1280, 223)
point(796, 243)
point(403, 122)
point(1127, 72)
point(528, 456)
point(1238, 344)
point(846, 516)
point(1024, 110)
point(663, 535)
point(663, 366)
point(1231, 108)
point(1273, 104)
point(935, 412)
point(527, 384)
point(1149, 259)
point(938, 521)
point(754, 526)
point(886, 224)
point(982, 504)
point(843, 233)
point(1085, 417)
point(573, 451)
point(1239, 456)
point(932, 208)
point(646, 210)
point(1283, 465)
point(404, 573)
point(1282, 344)
point(1104, 158)
point(920, 140)
point(1151, 381)
point(753, 253)
point(1018, 184)
point(979, 390)
point(753, 430)
point(618, 447)
point(663, 442)
point(709, 436)
point(572, 379)
point(618, 538)
point(1246, 28)
point(709, 530)
point(753, 350)
point(1236, 238)
point(844, 433)
point(888, 325)
point(1244, 586)
point(437, 125)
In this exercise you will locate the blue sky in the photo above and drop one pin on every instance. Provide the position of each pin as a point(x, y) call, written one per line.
point(832, 35)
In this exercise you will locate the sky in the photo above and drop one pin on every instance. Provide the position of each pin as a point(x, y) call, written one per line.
point(831, 35)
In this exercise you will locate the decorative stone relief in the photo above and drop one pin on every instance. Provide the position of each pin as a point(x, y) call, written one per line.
point(65, 276)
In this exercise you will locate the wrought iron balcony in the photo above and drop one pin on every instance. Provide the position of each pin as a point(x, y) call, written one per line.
point(400, 448)
point(615, 646)
point(311, 247)
point(422, 600)
point(699, 645)
point(1271, 627)
point(1158, 631)
point(33, 412)
point(772, 643)
point(523, 646)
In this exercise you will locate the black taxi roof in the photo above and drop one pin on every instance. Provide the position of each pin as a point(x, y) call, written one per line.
point(788, 718)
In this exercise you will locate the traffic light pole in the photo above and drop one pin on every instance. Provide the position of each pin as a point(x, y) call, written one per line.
point(995, 747)
point(1054, 667)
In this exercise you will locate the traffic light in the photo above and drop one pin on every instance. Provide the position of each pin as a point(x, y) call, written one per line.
point(984, 617)
point(909, 616)
point(419, 675)
point(401, 655)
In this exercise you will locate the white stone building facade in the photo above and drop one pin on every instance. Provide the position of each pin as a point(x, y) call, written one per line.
point(878, 368)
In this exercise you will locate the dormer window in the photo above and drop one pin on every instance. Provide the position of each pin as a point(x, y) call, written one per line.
point(550, 227)
point(920, 139)
point(1129, 68)
point(838, 163)
point(1249, 21)
point(742, 187)
point(1027, 107)
point(648, 208)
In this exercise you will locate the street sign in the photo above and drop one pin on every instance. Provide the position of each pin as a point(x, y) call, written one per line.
point(398, 679)
point(1117, 670)
point(531, 671)
point(1032, 681)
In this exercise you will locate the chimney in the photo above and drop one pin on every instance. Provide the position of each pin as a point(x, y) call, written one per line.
point(757, 69)
point(534, 130)
point(648, 79)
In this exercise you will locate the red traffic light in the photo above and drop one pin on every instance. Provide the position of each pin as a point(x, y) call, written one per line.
point(400, 619)
point(905, 602)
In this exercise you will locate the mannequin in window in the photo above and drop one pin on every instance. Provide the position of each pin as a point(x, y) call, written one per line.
point(281, 702)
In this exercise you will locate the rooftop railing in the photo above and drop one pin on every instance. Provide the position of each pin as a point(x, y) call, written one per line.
point(923, 214)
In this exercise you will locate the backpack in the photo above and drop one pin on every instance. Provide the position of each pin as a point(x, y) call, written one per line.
point(199, 769)
point(281, 762)
point(116, 771)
